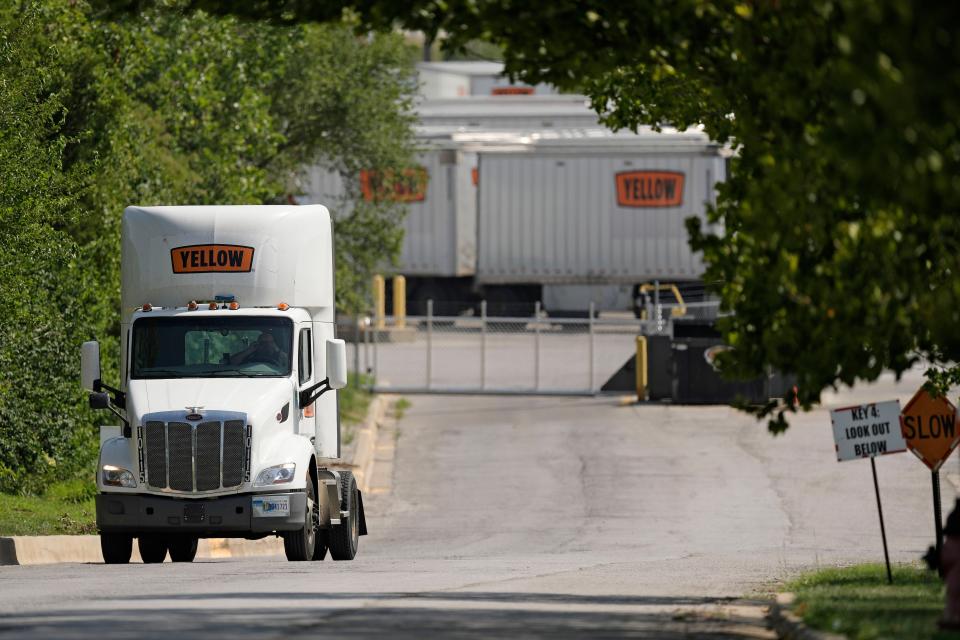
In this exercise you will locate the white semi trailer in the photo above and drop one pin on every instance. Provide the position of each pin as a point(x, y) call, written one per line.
point(227, 395)
point(568, 217)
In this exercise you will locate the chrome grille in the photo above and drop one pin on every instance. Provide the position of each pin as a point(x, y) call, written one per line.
point(156, 457)
point(234, 447)
point(206, 456)
point(180, 459)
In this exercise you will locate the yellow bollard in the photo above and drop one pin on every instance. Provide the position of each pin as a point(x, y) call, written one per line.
point(379, 301)
point(399, 302)
point(641, 368)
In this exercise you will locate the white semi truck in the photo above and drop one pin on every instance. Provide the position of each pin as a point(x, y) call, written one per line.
point(227, 395)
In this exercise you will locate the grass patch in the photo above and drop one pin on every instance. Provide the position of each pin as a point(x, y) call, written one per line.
point(354, 402)
point(858, 602)
point(355, 399)
point(67, 508)
point(400, 408)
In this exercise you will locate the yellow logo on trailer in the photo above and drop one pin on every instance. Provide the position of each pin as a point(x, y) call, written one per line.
point(212, 258)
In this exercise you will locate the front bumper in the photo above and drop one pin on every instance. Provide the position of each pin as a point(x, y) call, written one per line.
point(224, 516)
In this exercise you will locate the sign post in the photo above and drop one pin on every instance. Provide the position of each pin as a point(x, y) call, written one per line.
point(868, 431)
point(930, 430)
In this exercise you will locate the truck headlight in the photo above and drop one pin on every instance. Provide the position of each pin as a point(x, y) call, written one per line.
point(117, 477)
point(279, 474)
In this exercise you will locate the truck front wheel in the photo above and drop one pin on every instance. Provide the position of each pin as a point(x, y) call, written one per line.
point(300, 545)
point(183, 548)
point(116, 548)
point(345, 537)
point(153, 548)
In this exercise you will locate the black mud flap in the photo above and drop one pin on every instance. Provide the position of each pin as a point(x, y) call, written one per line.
point(363, 518)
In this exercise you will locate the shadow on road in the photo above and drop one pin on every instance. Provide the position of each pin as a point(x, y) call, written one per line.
point(395, 615)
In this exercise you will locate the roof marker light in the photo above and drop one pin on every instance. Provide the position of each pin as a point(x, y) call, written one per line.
point(146, 307)
point(283, 306)
point(212, 306)
point(234, 306)
point(192, 305)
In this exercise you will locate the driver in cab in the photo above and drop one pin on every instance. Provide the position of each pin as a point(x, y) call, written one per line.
point(264, 349)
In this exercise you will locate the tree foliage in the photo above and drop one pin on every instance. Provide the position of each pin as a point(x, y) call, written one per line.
point(839, 248)
point(162, 107)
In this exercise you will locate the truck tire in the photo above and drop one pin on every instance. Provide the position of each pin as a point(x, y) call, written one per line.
point(345, 537)
point(301, 544)
point(183, 548)
point(153, 548)
point(116, 548)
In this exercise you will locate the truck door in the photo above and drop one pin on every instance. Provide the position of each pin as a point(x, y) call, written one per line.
point(305, 376)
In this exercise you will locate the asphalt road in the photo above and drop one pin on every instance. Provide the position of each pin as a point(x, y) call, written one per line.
point(527, 517)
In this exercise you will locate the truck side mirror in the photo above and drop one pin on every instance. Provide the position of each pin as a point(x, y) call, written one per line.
point(337, 363)
point(90, 365)
point(99, 400)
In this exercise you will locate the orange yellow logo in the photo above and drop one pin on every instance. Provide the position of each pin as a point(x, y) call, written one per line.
point(650, 189)
point(409, 185)
point(212, 258)
point(512, 91)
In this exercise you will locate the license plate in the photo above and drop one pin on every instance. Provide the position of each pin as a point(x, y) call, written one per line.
point(272, 506)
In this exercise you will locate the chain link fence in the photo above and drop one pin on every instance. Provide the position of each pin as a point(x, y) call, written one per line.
point(481, 353)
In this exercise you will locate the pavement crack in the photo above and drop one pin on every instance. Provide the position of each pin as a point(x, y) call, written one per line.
point(744, 444)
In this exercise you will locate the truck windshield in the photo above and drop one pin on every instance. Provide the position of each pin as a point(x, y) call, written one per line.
point(211, 347)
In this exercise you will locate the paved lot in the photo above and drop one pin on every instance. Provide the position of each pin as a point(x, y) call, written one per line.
point(527, 517)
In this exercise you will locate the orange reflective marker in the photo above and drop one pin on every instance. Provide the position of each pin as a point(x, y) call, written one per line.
point(929, 428)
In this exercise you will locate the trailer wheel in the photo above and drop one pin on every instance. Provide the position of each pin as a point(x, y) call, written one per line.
point(116, 548)
point(345, 537)
point(301, 544)
point(153, 548)
point(183, 548)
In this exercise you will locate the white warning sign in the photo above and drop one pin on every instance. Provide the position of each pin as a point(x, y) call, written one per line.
point(867, 430)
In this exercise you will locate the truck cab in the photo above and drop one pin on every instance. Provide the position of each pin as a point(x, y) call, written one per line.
point(228, 393)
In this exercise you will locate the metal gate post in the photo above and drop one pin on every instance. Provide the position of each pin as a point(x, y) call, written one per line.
point(366, 351)
point(590, 328)
point(536, 347)
point(379, 301)
point(483, 344)
point(656, 305)
point(429, 339)
point(376, 356)
point(641, 368)
point(399, 302)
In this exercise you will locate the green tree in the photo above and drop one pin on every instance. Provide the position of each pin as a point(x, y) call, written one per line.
point(839, 251)
point(161, 107)
point(37, 200)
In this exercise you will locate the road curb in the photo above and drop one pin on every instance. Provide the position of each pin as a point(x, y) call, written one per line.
point(789, 626)
point(365, 450)
point(32, 550)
